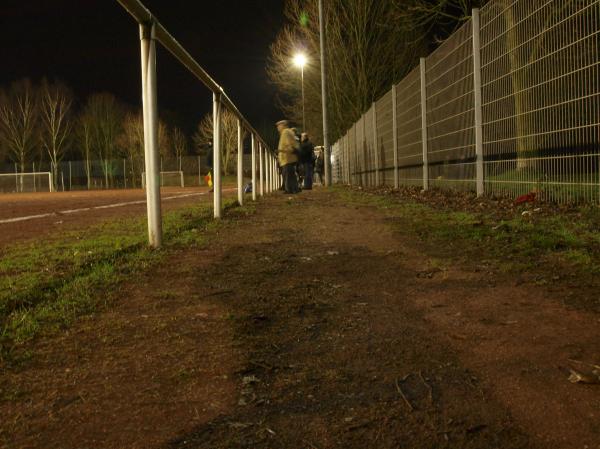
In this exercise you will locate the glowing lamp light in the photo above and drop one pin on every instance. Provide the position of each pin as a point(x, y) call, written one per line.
point(300, 60)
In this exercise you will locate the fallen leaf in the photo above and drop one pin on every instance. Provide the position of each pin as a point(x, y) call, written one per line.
point(583, 378)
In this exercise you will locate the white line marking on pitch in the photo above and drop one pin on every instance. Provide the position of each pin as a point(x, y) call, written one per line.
point(31, 217)
point(107, 206)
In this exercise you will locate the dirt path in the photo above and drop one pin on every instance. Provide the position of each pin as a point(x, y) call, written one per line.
point(312, 325)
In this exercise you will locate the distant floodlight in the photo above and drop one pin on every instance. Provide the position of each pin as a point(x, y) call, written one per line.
point(300, 60)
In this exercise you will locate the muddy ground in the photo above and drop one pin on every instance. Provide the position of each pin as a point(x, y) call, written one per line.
point(312, 324)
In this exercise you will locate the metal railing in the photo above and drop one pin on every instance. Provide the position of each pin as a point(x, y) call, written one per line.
point(509, 104)
point(152, 31)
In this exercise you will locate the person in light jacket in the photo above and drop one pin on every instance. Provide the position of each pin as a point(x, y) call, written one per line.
point(287, 151)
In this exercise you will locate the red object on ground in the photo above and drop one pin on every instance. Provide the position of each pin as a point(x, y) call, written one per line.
point(527, 198)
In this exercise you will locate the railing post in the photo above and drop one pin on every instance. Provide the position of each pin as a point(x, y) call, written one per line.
point(217, 154)
point(375, 147)
point(261, 174)
point(272, 177)
point(424, 124)
point(253, 144)
point(150, 114)
point(478, 102)
point(395, 136)
point(274, 168)
point(266, 172)
point(272, 173)
point(240, 165)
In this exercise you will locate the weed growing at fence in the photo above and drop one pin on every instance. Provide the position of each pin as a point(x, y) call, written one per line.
point(546, 244)
point(44, 285)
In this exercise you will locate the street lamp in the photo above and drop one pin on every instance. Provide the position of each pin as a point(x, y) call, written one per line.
point(300, 61)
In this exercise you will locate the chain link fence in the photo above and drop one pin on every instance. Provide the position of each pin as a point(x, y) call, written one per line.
point(509, 104)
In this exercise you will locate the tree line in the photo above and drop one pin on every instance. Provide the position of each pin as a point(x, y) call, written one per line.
point(43, 123)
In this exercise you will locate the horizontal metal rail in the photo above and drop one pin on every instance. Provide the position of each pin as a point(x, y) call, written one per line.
point(143, 16)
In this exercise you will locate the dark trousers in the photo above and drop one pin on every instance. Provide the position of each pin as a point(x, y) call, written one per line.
point(290, 182)
point(320, 175)
point(308, 176)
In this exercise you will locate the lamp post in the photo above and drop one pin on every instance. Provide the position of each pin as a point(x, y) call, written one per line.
point(326, 161)
point(300, 61)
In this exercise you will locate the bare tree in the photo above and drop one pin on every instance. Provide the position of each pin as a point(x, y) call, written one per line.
point(131, 144)
point(433, 20)
point(204, 136)
point(164, 140)
point(85, 139)
point(18, 122)
point(367, 54)
point(179, 144)
point(55, 108)
point(104, 117)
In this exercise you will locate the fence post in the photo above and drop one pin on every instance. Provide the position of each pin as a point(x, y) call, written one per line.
point(348, 170)
point(240, 165)
point(124, 173)
point(363, 144)
point(150, 113)
point(253, 144)
point(424, 124)
point(395, 137)
point(375, 146)
point(217, 154)
point(261, 169)
point(356, 158)
point(478, 101)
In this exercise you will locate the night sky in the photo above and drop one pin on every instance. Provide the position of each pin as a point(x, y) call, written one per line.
point(93, 46)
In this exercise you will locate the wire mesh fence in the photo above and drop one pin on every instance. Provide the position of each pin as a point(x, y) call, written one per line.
point(186, 171)
point(537, 74)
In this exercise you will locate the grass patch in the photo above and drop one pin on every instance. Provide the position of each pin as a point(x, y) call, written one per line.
point(514, 243)
point(45, 285)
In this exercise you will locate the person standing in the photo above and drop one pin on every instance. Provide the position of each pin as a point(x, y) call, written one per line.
point(209, 164)
point(286, 155)
point(307, 159)
point(319, 165)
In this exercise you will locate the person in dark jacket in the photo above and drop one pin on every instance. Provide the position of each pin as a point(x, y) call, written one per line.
point(307, 159)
